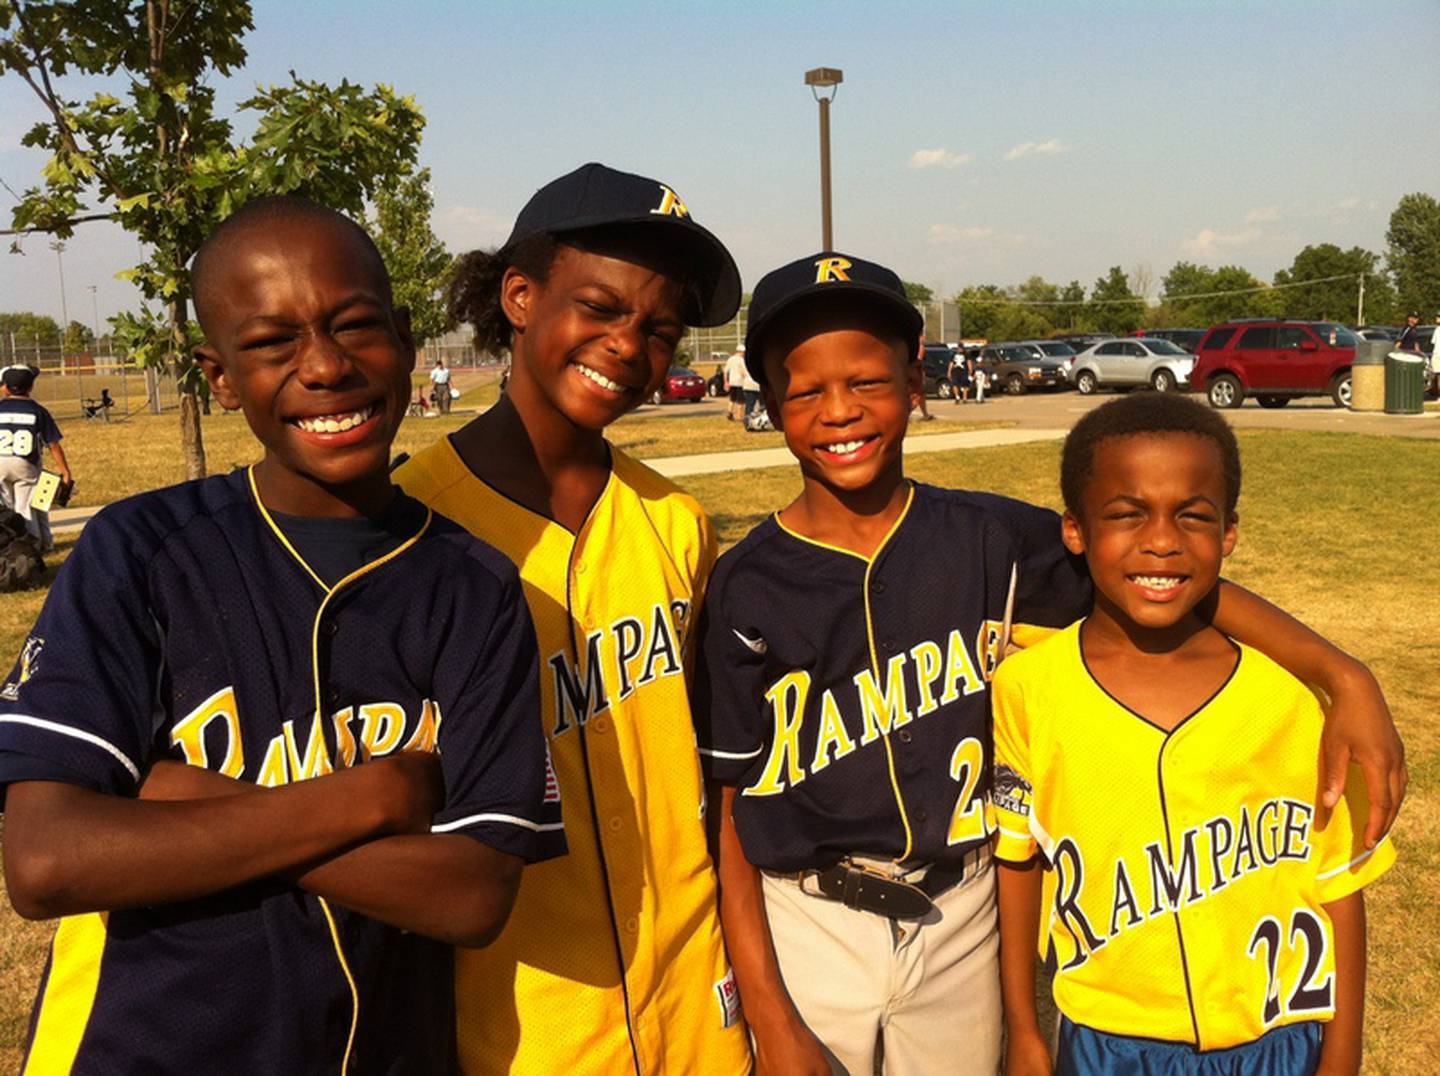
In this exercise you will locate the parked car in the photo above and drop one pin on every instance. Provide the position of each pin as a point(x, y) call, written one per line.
point(1274, 360)
point(1377, 332)
point(1080, 341)
point(1130, 363)
point(1058, 350)
point(1186, 340)
point(680, 384)
point(936, 364)
point(1015, 367)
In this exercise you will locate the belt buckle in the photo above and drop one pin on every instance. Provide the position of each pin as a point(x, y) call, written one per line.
point(866, 888)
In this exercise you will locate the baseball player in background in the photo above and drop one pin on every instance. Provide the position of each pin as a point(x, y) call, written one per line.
point(842, 699)
point(613, 961)
point(27, 427)
point(323, 693)
point(1203, 910)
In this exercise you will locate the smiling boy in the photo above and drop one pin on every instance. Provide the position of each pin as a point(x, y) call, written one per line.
point(272, 744)
point(842, 699)
point(1204, 910)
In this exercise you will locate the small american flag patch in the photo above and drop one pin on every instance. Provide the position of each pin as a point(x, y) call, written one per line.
point(552, 783)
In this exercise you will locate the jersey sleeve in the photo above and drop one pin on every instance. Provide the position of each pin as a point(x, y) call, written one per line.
point(80, 702)
point(707, 552)
point(1052, 585)
point(49, 431)
point(1343, 864)
point(500, 787)
point(1012, 789)
point(727, 700)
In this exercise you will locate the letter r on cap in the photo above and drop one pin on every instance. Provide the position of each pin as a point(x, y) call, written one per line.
point(828, 270)
point(670, 204)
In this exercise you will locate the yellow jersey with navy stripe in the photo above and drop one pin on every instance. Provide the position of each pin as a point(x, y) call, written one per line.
point(185, 625)
point(612, 961)
point(848, 698)
point(1186, 871)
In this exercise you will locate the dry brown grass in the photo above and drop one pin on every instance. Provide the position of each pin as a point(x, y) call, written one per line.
point(1337, 528)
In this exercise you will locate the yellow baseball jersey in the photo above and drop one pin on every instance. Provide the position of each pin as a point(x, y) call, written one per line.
point(612, 961)
point(1187, 871)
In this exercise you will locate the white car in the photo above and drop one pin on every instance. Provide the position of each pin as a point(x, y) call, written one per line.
point(1132, 362)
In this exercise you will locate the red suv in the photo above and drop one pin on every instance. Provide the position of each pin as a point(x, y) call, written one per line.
point(1274, 360)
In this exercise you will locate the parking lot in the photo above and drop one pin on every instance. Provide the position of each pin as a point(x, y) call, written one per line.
point(1062, 409)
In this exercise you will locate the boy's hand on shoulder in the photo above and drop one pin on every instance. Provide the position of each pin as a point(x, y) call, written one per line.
point(1361, 730)
point(789, 1051)
point(1027, 1055)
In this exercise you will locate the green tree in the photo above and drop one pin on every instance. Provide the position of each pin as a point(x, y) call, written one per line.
point(981, 307)
point(22, 332)
point(1218, 295)
point(418, 262)
point(1071, 317)
point(918, 293)
point(79, 338)
point(1113, 306)
point(164, 165)
point(1336, 298)
point(1414, 255)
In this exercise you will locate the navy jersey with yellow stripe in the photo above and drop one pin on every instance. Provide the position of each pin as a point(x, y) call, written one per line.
point(184, 626)
point(847, 697)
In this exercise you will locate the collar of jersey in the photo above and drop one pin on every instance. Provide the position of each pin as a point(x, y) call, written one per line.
point(884, 542)
point(358, 572)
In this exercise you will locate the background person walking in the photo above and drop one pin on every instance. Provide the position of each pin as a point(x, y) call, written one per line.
point(26, 427)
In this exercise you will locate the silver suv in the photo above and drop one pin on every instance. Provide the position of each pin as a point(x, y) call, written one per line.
point(1131, 362)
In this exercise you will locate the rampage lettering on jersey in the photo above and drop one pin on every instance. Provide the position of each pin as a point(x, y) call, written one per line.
point(618, 660)
point(916, 683)
point(370, 730)
point(1212, 855)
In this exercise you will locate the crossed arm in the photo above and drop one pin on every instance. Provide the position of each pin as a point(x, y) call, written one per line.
point(360, 837)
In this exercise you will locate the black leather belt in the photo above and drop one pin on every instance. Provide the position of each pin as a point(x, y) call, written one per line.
point(870, 891)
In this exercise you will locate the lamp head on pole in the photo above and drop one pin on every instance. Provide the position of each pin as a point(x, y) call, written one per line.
point(820, 79)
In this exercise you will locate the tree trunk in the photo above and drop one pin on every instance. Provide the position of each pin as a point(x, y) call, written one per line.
point(192, 443)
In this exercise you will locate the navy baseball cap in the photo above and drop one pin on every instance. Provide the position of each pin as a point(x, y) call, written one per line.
point(595, 196)
point(18, 378)
point(826, 273)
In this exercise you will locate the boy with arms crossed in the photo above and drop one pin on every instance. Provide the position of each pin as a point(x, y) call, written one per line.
point(842, 699)
point(346, 684)
point(614, 952)
point(1205, 913)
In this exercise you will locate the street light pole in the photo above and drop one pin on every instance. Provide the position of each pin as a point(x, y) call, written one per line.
point(95, 313)
point(58, 246)
point(820, 79)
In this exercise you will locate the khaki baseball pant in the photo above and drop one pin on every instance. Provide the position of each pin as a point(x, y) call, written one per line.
point(930, 987)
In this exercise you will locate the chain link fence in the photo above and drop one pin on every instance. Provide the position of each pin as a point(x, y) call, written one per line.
point(101, 386)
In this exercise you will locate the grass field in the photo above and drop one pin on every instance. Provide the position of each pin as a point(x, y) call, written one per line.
point(1336, 528)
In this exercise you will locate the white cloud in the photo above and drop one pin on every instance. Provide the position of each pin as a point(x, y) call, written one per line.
point(938, 158)
point(1209, 243)
point(467, 227)
point(1044, 149)
point(1260, 216)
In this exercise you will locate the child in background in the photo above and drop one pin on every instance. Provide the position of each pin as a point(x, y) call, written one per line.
point(1204, 910)
point(26, 427)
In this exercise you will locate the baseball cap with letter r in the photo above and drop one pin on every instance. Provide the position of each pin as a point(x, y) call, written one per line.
point(825, 274)
point(596, 196)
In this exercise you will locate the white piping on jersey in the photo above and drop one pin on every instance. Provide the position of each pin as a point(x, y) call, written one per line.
point(79, 734)
point(510, 819)
point(1361, 858)
point(1015, 836)
point(742, 755)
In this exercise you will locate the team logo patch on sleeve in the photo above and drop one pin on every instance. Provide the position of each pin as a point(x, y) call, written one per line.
point(1011, 792)
point(727, 994)
point(29, 662)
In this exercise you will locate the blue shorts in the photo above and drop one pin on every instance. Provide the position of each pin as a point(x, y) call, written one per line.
point(1292, 1050)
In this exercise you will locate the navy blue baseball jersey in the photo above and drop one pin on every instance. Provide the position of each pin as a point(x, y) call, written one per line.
point(185, 626)
point(25, 428)
point(847, 698)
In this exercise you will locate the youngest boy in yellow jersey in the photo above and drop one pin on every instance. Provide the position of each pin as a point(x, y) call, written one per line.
point(1203, 910)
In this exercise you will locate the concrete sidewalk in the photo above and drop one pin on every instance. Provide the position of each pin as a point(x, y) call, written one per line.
point(73, 519)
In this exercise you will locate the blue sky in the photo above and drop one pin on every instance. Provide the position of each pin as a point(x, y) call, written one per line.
point(971, 142)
